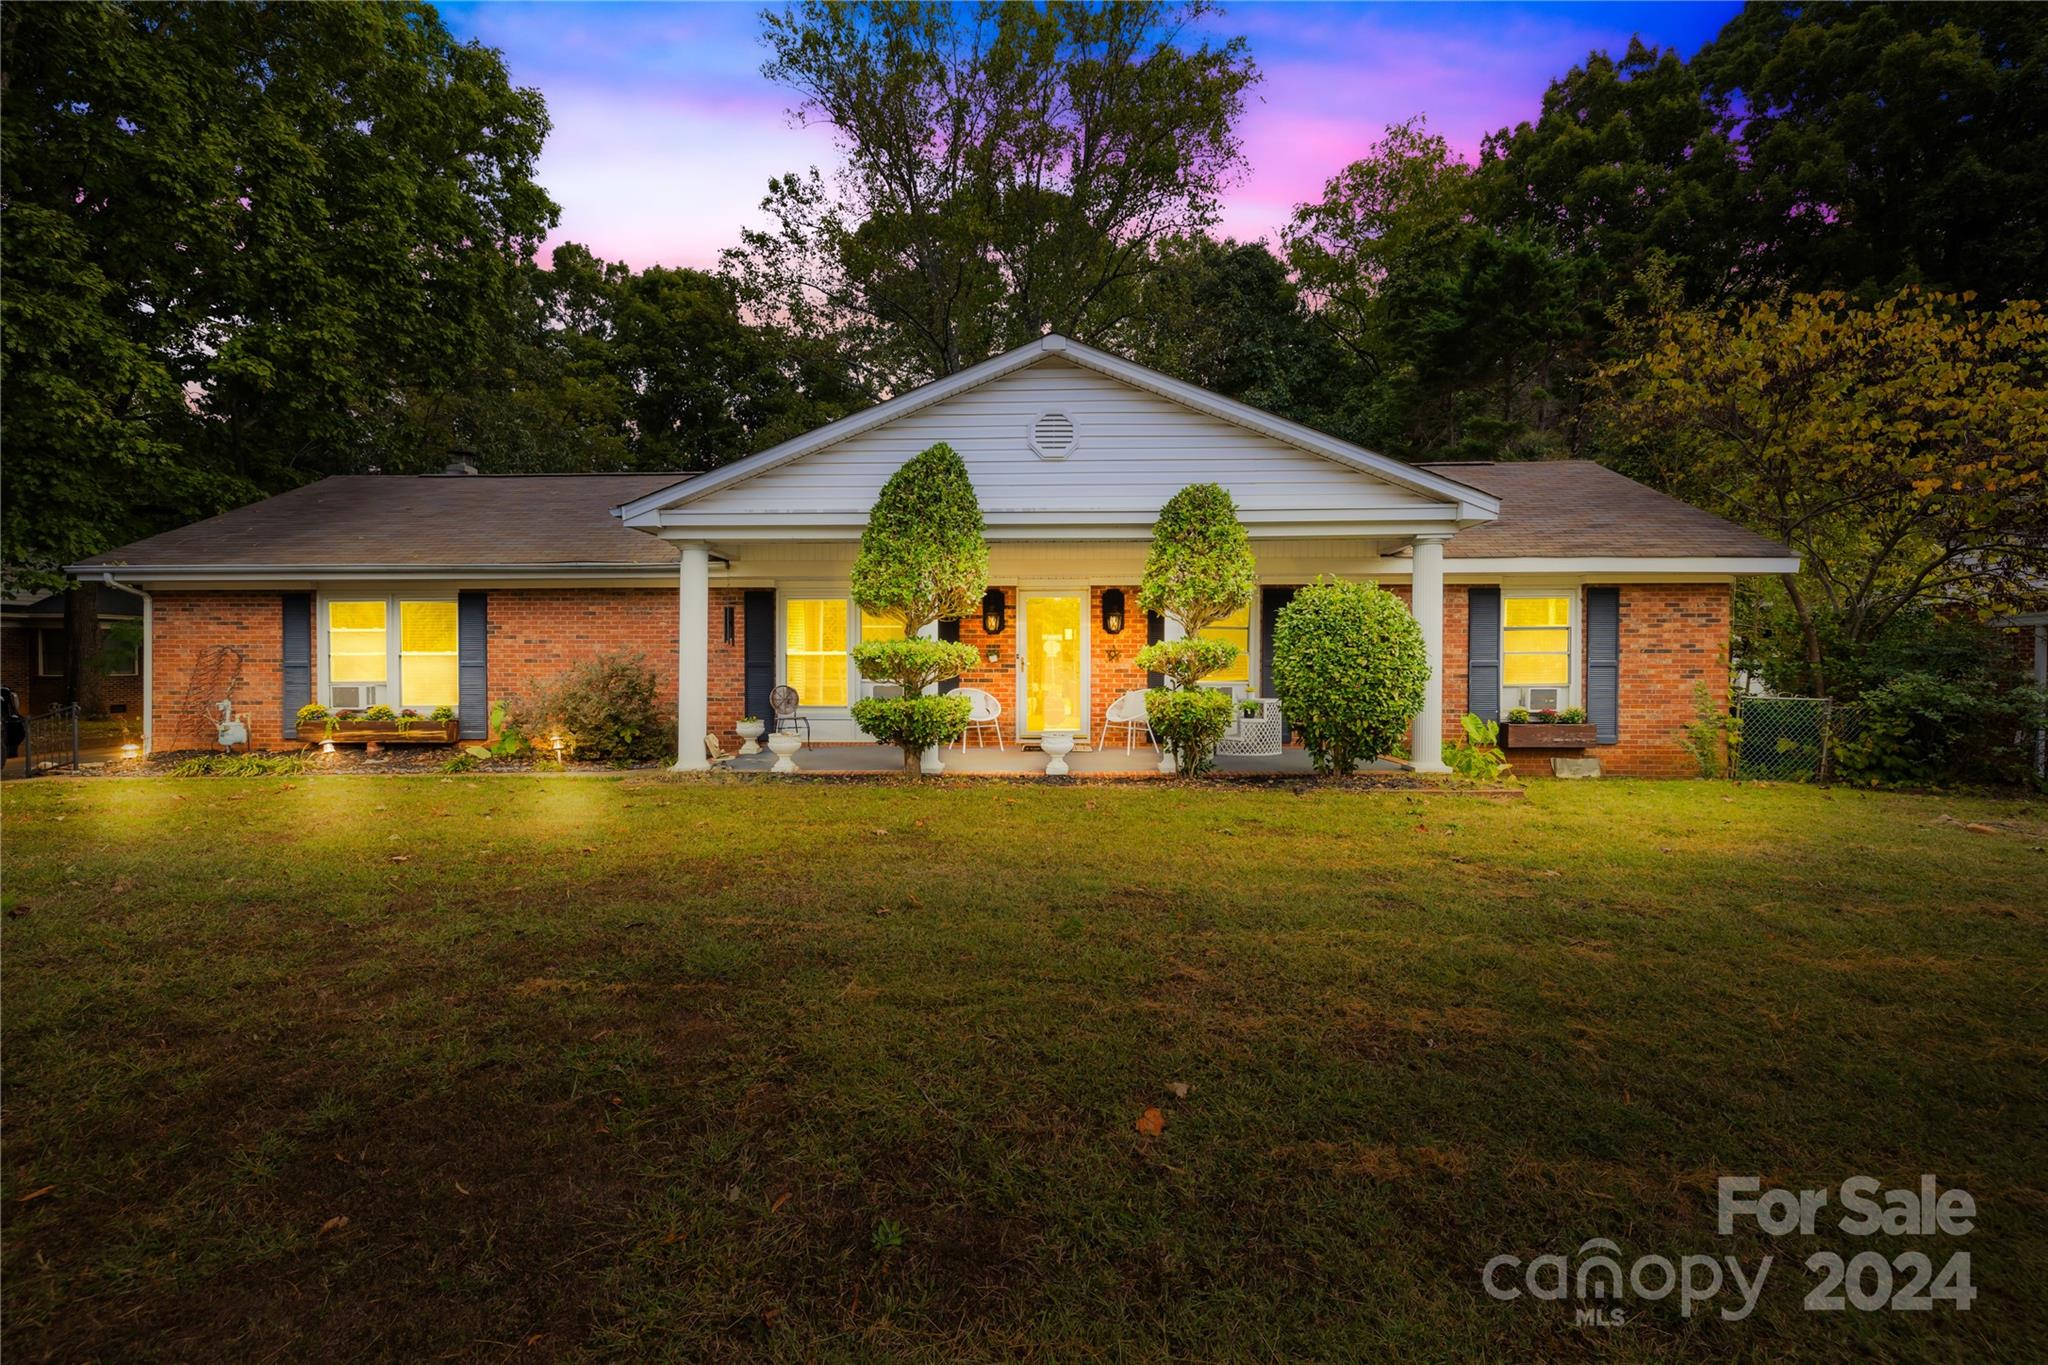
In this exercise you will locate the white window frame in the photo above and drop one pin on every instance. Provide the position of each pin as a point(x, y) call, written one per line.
point(1252, 645)
point(1573, 595)
point(394, 670)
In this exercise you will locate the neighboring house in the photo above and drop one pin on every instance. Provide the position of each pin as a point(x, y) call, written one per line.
point(1537, 583)
point(34, 657)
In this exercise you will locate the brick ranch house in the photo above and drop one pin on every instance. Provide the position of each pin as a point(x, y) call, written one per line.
point(1548, 583)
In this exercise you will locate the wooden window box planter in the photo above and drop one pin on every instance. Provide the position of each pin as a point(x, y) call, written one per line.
point(1533, 736)
point(358, 731)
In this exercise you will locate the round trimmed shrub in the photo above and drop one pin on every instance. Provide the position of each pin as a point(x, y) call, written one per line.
point(1200, 568)
point(914, 723)
point(1349, 665)
point(923, 556)
point(1190, 722)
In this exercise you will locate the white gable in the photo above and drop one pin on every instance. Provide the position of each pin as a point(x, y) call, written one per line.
point(1060, 450)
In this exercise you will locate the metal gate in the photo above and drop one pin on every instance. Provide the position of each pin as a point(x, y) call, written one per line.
point(51, 741)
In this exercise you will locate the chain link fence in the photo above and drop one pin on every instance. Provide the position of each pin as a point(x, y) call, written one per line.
point(1792, 739)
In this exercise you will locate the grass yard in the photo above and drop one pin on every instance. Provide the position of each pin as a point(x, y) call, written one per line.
point(421, 1067)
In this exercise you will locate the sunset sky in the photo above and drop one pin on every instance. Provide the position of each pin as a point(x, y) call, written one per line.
point(666, 132)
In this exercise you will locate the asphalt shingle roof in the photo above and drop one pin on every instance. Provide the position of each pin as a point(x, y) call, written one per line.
point(1548, 508)
point(422, 520)
point(1552, 508)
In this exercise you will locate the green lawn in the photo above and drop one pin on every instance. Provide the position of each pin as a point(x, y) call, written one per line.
point(417, 1067)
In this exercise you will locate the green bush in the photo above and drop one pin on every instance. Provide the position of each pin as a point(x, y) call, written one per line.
point(1478, 755)
point(914, 663)
point(1200, 567)
point(1186, 662)
point(1349, 666)
point(923, 557)
point(603, 709)
point(1919, 729)
point(1189, 722)
point(915, 723)
point(240, 765)
point(1715, 735)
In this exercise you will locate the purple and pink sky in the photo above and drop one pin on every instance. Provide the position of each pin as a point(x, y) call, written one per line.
point(666, 133)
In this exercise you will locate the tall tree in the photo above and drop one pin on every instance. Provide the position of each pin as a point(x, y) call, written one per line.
point(1893, 144)
point(1901, 449)
point(1006, 170)
point(236, 235)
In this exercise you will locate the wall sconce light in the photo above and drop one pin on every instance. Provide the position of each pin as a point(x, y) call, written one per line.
point(1113, 611)
point(994, 612)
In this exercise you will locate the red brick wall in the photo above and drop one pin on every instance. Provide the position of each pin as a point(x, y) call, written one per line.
point(998, 679)
point(537, 634)
point(1113, 666)
point(186, 672)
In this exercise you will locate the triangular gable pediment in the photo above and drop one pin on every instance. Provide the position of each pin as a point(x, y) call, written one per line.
point(1059, 437)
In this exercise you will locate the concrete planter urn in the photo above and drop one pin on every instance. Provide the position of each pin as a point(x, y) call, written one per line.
point(750, 731)
point(784, 747)
point(1057, 744)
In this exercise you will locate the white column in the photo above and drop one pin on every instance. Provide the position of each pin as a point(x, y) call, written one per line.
point(693, 663)
point(1426, 600)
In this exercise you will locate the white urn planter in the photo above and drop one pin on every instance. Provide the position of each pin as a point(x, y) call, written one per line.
point(929, 762)
point(1166, 763)
point(784, 747)
point(750, 731)
point(1057, 744)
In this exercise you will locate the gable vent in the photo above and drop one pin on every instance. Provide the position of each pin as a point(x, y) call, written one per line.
point(1053, 436)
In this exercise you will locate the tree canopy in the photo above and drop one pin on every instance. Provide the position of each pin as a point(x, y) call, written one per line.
point(1007, 169)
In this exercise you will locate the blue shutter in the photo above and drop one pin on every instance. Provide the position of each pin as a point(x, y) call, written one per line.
point(297, 658)
point(949, 631)
point(1603, 662)
point(758, 650)
point(1482, 652)
point(472, 664)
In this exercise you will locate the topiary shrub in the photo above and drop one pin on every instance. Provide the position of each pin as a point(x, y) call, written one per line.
point(923, 556)
point(915, 723)
point(1189, 722)
point(1349, 666)
point(1199, 570)
point(922, 559)
point(603, 708)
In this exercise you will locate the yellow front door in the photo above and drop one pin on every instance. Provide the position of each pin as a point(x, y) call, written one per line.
point(1055, 649)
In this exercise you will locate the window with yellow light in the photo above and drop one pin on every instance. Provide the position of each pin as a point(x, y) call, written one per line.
point(814, 650)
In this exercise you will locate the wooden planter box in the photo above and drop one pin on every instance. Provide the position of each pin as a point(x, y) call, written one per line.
point(1549, 736)
point(358, 731)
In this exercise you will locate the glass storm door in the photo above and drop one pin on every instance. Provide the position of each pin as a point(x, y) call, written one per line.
point(1054, 662)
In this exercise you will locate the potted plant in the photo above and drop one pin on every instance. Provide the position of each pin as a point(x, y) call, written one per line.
point(1566, 729)
point(784, 745)
point(749, 729)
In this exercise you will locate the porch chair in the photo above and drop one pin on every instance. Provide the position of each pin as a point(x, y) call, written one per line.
point(984, 712)
point(714, 752)
point(1129, 712)
point(783, 701)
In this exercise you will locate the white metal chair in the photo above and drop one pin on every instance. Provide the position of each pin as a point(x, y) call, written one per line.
point(1129, 712)
point(985, 713)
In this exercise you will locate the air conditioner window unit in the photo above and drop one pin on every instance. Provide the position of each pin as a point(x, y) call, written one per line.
point(1542, 698)
point(354, 696)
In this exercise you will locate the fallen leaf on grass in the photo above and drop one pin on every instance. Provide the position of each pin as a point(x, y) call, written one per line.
point(401, 857)
point(1151, 1123)
point(780, 1200)
point(1179, 1089)
point(334, 1224)
point(460, 1190)
point(35, 1194)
